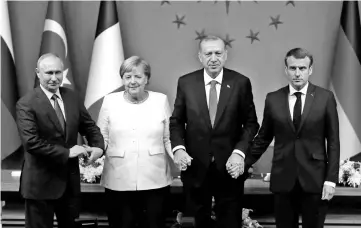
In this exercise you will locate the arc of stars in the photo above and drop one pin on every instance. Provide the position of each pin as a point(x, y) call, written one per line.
point(179, 21)
point(228, 41)
point(275, 21)
point(253, 36)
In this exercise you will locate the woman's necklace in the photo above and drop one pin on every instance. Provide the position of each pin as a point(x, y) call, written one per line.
point(127, 98)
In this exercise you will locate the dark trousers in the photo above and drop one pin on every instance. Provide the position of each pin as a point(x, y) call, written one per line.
point(288, 207)
point(40, 213)
point(227, 193)
point(125, 208)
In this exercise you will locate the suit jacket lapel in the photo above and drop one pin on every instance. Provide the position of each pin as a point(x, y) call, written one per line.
point(308, 104)
point(48, 108)
point(226, 90)
point(287, 105)
point(201, 97)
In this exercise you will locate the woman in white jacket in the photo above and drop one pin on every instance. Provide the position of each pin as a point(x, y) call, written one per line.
point(138, 157)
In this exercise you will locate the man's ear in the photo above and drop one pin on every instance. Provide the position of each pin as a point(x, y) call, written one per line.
point(37, 72)
point(310, 70)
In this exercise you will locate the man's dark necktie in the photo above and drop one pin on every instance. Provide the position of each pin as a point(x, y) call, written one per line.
point(213, 101)
point(297, 110)
point(58, 111)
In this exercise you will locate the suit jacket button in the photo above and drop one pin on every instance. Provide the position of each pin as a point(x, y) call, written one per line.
point(298, 137)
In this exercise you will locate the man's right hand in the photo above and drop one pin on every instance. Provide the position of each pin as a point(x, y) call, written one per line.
point(77, 150)
point(182, 159)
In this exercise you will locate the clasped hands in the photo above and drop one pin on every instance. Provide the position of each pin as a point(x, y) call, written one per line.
point(86, 150)
point(234, 165)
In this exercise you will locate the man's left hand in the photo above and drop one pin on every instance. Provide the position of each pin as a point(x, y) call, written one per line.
point(95, 154)
point(327, 192)
point(235, 165)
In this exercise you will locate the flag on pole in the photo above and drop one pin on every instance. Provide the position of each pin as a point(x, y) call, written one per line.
point(10, 140)
point(107, 57)
point(54, 40)
point(346, 79)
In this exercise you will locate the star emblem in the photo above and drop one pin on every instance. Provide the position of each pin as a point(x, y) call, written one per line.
point(253, 36)
point(200, 35)
point(255, 2)
point(291, 2)
point(228, 41)
point(66, 81)
point(275, 21)
point(164, 2)
point(179, 21)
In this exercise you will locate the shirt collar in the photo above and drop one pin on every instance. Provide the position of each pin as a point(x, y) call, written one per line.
point(303, 90)
point(50, 94)
point(208, 79)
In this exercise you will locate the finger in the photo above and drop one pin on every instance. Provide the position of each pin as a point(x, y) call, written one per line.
point(323, 194)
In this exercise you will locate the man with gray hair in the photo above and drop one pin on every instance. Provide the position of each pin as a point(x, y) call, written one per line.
point(213, 122)
point(49, 119)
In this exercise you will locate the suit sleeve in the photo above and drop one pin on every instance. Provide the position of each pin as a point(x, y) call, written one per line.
point(263, 138)
point(333, 140)
point(33, 143)
point(89, 129)
point(178, 119)
point(250, 125)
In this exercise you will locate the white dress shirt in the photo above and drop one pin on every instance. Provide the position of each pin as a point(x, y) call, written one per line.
point(292, 101)
point(49, 95)
point(207, 86)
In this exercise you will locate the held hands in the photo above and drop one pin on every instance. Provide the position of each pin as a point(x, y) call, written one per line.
point(182, 160)
point(95, 153)
point(77, 150)
point(235, 165)
point(327, 192)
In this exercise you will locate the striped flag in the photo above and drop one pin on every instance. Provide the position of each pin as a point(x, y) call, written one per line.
point(54, 40)
point(346, 79)
point(106, 59)
point(10, 140)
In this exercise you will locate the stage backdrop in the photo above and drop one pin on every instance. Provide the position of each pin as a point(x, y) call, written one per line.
point(166, 34)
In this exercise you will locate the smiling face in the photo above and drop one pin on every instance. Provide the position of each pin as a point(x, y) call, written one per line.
point(298, 71)
point(213, 56)
point(50, 73)
point(134, 81)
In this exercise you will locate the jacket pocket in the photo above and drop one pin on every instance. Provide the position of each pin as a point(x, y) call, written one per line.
point(320, 157)
point(118, 153)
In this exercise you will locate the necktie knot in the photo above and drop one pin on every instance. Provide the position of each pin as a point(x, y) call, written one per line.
point(54, 97)
point(298, 94)
point(213, 83)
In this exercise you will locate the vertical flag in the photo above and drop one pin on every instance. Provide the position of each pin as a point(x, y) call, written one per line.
point(106, 59)
point(10, 140)
point(346, 79)
point(54, 40)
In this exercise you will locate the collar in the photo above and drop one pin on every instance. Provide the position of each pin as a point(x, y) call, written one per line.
point(208, 79)
point(303, 90)
point(50, 94)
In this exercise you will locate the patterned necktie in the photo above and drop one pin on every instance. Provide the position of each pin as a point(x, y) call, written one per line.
point(213, 101)
point(58, 111)
point(297, 110)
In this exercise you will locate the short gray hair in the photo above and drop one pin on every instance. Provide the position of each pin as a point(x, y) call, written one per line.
point(130, 63)
point(208, 38)
point(46, 55)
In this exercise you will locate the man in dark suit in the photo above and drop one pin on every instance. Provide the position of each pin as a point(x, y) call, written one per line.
point(49, 119)
point(213, 122)
point(301, 118)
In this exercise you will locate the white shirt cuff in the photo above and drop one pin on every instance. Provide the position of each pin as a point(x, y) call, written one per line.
point(239, 152)
point(177, 148)
point(329, 183)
